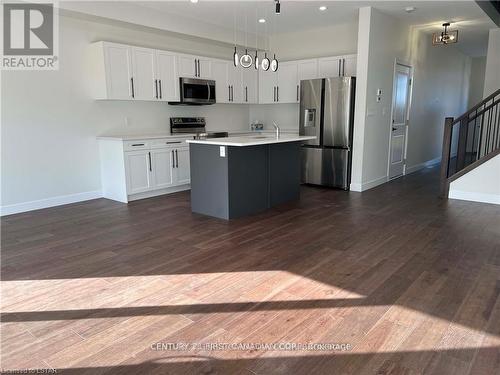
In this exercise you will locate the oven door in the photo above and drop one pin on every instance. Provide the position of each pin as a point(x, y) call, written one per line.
point(197, 91)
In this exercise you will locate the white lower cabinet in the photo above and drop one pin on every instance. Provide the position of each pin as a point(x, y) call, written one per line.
point(143, 168)
point(137, 167)
point(162, 168)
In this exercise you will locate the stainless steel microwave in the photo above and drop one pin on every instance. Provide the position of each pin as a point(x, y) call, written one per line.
point(195, 91)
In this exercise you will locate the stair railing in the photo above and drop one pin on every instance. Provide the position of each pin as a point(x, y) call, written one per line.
point(470, 140)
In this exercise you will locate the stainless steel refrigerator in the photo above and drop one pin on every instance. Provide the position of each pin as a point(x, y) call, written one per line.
point(327, 112)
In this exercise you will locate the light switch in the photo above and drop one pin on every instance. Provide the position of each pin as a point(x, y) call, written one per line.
point(222, 151)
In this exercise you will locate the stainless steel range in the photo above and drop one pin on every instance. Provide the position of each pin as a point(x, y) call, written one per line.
point(193, 125)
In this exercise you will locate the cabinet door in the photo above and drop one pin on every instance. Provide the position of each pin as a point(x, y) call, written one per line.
point(143, 66)
point(204, 67)
point(138, 170)
point(162, 161)
point(307, 69)
point(236, 82)
point(350, 66)
point(187, 66)
point(182, 170)
point(118, 65)
point(288, 89)
point(220, 73)
point(250, 94)
point(329, 67)
point(267, 86)
point(167, 76)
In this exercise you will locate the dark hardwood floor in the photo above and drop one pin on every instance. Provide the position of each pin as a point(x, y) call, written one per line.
point(411, 282)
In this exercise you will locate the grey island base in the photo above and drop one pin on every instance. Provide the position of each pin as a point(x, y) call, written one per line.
point(237, 176)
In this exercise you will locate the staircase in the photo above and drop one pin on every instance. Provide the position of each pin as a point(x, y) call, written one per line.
point(470, 140)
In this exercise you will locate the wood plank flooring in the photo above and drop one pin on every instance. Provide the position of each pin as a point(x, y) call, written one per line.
point(411, 282)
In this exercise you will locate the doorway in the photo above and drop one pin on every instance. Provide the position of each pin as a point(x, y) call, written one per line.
point(401, 94)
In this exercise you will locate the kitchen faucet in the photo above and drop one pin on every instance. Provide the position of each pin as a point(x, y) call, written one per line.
point(278, 131)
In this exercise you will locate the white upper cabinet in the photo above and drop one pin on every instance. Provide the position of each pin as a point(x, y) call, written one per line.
point(349, 65)
point(307, 69)
point(111, 71)
point(329, 67)
point(194, 66)
point(267, 86)
point(220, 74)
point(143, 74)
point(288, 84)
point(249, 86)
point(167, 76)
point(236, 83)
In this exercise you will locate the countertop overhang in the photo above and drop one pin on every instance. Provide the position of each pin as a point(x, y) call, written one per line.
point(251, 140)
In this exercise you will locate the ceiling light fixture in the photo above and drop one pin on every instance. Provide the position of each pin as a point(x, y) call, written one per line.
point(445, 37)
point(193, 1)
point(262, 20)
point(323, 8)
point(278, 6)
point(410, 9)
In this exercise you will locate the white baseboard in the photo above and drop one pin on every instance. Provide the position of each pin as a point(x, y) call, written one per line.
point(368, 185)
point(417, 167)
point(155, 193)
point(474, 197)
point(49, 202)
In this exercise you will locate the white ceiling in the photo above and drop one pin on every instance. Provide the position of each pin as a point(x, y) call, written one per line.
point(216, 19)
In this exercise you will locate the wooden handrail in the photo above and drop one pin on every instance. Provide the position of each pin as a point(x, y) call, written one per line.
point(482, 102)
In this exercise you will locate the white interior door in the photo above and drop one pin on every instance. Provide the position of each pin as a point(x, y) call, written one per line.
point(400, 110)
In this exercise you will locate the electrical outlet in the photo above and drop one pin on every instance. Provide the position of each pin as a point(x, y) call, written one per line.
point(222, 151)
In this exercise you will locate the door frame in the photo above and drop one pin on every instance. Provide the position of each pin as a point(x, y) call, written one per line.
point(410, 95)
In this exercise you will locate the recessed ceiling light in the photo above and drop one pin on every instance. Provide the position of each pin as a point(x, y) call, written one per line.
point(262, 20)
point(194, 1)
point(323, 8)
point(410, 9)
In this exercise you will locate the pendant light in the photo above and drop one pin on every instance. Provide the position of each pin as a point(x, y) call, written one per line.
point(265, 61)
point(236, 58)
point(274, 64)
point(256, 58)
point(246, 60)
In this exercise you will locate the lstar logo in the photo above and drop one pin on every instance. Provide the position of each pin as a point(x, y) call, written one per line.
point(29, 36)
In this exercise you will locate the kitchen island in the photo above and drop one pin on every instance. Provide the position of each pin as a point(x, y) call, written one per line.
point(238, 176)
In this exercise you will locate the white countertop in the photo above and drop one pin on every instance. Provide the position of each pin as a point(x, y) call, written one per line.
point(132, 137)
point(251, 140)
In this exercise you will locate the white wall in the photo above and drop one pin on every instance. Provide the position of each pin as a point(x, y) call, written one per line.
point(482, 184)
point(476, 88)
point(492, 75)
point(50, 124)
point(285, 115)
point(339, 39)
point(440, 89)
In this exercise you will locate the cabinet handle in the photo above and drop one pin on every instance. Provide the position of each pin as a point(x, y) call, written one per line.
point(156, 88)
point(274, 93)
point(277, 93)
point(343, 67)
point(339, 66)
point(176, 159)
point(172, 142)
point(132, 86)
point(195, 68)
point(246, 94)
point(229, 93)
point(159, 84)
point(150, 167)
point(297, 92)
point(137, 144)
point(173, 159)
